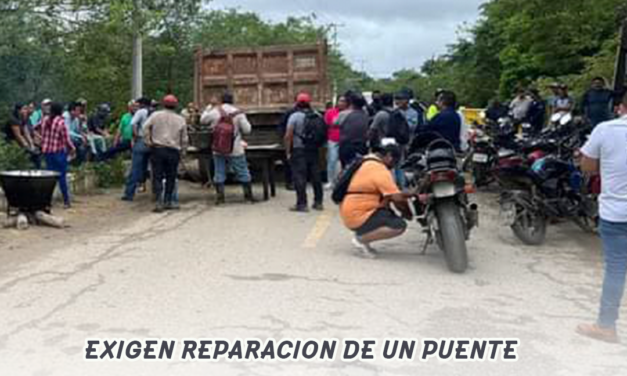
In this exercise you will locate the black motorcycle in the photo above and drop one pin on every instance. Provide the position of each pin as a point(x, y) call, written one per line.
point(551, 188)
point(441, 206)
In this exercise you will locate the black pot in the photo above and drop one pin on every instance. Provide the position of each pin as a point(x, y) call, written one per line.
point(29, 191)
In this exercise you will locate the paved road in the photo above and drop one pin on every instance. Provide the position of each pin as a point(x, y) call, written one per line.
point(261, 272)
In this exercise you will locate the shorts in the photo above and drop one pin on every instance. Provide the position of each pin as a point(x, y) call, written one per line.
point(379, 219)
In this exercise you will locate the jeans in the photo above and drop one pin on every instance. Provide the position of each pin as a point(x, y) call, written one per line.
point(614, 239)
point(350, 151)
point(165, 165)
point(139, 167)
point(305, 167)
point(57, 162)
point(238, 164)
point(81, 151)
point(333, 159)
point(122, 147)
point(97, 143)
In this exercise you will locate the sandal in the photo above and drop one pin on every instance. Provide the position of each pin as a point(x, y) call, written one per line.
point(594, 331)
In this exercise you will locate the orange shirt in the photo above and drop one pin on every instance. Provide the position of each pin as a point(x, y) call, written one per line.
point(370, 184)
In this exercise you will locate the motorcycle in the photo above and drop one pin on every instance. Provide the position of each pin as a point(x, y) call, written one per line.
point(552, 188)
point(441, 205)
point(490, 154)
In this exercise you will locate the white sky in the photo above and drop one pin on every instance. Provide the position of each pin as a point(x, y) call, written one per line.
point(379, 36)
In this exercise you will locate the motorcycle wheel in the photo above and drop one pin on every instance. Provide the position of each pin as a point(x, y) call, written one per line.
point(530, 228)
point(452, 236)
point(480, 175)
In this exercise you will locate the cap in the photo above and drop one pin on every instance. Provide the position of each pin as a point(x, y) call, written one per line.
point(170, 101)
point(303, 98)
point(46, 101)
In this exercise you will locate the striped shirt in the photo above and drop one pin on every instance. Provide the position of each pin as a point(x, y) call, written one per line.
point(55, 137)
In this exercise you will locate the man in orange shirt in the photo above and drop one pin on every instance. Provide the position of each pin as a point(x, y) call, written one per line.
point(367, 207)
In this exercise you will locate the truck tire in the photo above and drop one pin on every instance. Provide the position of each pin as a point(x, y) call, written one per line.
point(452, 235)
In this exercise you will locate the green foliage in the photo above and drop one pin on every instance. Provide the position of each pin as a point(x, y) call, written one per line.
point(13, 157)
point(109, 175)
point(524, 43)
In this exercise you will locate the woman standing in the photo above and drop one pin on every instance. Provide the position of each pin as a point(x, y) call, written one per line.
point(55, 144)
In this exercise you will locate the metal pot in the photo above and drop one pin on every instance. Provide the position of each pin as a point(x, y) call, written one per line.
point(29, 191)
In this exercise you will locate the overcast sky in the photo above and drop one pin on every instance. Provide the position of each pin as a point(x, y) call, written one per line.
point(380, 36)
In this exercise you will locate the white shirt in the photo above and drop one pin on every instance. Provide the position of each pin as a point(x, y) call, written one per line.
point(242, 125)
point(608, 143)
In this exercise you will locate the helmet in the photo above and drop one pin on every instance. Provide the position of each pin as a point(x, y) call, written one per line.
point(303, 98)
point(170, 101)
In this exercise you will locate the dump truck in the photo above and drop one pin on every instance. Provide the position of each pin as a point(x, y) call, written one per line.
point(264, 82)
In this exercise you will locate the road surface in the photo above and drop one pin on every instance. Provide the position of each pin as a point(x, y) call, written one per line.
point(242, 271)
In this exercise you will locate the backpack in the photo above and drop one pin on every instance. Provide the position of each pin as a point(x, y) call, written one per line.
point(397, 127)
point(343, 182)
point(314, 135)
point(224, 133)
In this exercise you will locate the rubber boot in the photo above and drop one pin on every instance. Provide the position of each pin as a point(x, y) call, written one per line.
point(248, 193)
point(220, 197)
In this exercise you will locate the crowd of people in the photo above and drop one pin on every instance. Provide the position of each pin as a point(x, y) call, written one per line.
point(528, 105)
point(376, 134)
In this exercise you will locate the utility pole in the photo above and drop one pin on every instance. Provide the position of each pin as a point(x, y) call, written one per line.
point(336, 47)
point(137, 84)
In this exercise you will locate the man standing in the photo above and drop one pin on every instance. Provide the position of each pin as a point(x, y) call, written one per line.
point(354, 126)
point(165, 133)
point(302, 144)
point(282, 129)
point(447, 123)
point(411, 115)
point(520, 105)
point(220, 119)
point(597, 102)
point(606, 151)
point(141, 153)
point(333, 146)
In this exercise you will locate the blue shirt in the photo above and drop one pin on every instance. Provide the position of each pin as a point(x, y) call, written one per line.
point(448, 124)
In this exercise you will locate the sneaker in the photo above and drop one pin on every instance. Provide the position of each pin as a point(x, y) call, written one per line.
point(299, 209)
point(318, 207)
point(364, 250)
point(328, 187)
point(158, 209)
point(594, 331)
point(126, 199)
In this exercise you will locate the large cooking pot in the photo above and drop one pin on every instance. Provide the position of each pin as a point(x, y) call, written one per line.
point(29, 191)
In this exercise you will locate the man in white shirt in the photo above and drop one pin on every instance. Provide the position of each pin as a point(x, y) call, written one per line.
point(606, 151)
point(237, 158)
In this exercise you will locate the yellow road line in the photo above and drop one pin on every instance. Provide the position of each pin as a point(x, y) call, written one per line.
point(318, 231)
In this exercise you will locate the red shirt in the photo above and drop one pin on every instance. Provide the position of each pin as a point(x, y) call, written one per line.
point(55, 137)
point(334, 130)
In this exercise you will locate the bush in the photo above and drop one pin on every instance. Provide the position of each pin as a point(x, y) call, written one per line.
point(13, 157)
point(111, 174)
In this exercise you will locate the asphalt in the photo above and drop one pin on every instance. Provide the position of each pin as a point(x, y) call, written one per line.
point(257, 271)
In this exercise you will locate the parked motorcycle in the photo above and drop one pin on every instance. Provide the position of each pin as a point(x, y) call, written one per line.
point(493, 148)
point(442, 207)
point(551, 189)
